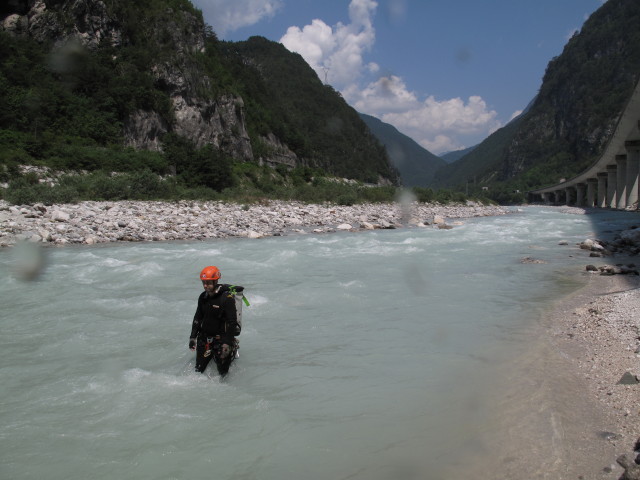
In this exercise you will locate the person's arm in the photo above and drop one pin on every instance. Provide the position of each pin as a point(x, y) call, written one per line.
point(196, 325)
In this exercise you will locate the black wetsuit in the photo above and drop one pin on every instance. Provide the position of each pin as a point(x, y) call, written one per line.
point(215, 327)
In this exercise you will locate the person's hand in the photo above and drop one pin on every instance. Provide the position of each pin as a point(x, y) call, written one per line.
point(192, 344)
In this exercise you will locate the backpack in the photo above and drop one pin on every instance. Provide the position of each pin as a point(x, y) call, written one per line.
point(238, 292)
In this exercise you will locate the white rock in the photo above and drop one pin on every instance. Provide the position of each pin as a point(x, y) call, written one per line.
point(344, 226)
point(60, 216)
point(45, 234)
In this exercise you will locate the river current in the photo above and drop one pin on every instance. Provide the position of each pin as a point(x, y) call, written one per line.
point(366, 355)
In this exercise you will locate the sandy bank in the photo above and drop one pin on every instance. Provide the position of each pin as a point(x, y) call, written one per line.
point(561, 412)
point(596, 331)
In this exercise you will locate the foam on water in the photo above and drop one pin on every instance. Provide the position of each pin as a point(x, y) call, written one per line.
point(366, 356)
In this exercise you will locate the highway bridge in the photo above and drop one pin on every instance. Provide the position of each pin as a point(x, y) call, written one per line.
point(612, 181)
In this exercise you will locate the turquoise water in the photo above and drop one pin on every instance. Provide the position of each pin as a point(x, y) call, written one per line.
point(363, 355)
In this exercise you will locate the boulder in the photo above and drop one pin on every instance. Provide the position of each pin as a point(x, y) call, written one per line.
point(628, 379)
point(60, 216)
point(631, 468)
point(254, 234)
point(532, 260)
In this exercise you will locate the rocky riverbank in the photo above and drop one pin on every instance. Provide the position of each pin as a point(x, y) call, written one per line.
point(598, 331)
point(91, 223)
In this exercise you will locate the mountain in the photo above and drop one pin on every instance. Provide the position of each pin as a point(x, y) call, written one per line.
point(583, 92)
point(476, 166)
point(450, 157)
point(415, 164)
point(118, 85)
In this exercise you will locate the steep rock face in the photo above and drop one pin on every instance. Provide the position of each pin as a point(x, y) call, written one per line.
point(144, 130)
point(279, 153)
point(583, 93)
point(87, 24)
point(220, 121)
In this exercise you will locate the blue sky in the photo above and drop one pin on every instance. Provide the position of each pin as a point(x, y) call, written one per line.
point(447, 73)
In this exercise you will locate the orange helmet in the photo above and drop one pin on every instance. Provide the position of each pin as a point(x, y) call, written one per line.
point(210, 273)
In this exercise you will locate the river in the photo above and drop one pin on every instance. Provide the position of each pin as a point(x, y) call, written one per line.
point(368, 355)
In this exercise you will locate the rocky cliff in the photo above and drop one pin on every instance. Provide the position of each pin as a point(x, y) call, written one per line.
point(89, 24)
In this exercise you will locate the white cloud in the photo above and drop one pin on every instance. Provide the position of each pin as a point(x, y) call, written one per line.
point(571, 33)
point(440, 144)
point(229, 15)
point(515, 114)
point(339, 49)
point(387, 94)
point(433, 124)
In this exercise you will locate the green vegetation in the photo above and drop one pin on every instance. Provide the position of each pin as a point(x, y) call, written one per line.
point(249, 183)
point(289, 100)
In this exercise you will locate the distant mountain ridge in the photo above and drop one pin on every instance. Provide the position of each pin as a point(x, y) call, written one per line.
point(456, 155)
point(415, 164)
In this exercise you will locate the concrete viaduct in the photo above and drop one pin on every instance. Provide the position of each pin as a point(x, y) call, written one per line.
point(612, 181)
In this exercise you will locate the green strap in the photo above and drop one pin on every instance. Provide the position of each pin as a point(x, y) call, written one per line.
point(232, 289)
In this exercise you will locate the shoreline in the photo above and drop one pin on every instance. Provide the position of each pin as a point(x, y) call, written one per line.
point(95, 222)
point(571, 417)
point(559, 411)
point(596, 331)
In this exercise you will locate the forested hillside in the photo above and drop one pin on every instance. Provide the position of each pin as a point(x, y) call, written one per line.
point(310, 117)
point(415, 164)
point(583, 93)
point(119, 86)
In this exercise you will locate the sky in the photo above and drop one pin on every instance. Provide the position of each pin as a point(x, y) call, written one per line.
point(446, 73)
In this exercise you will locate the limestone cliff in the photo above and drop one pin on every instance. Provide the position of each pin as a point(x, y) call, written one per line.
point(86, 24)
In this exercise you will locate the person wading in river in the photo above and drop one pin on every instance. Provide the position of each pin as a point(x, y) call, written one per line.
point(215, 323)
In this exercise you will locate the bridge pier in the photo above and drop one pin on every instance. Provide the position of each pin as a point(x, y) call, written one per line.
point(621, 187)
point(557, 195)
point(592, 186)
point(602, 189)
point(633, 171)
point(611, 185)
point(567, 195)
point(580, 194)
